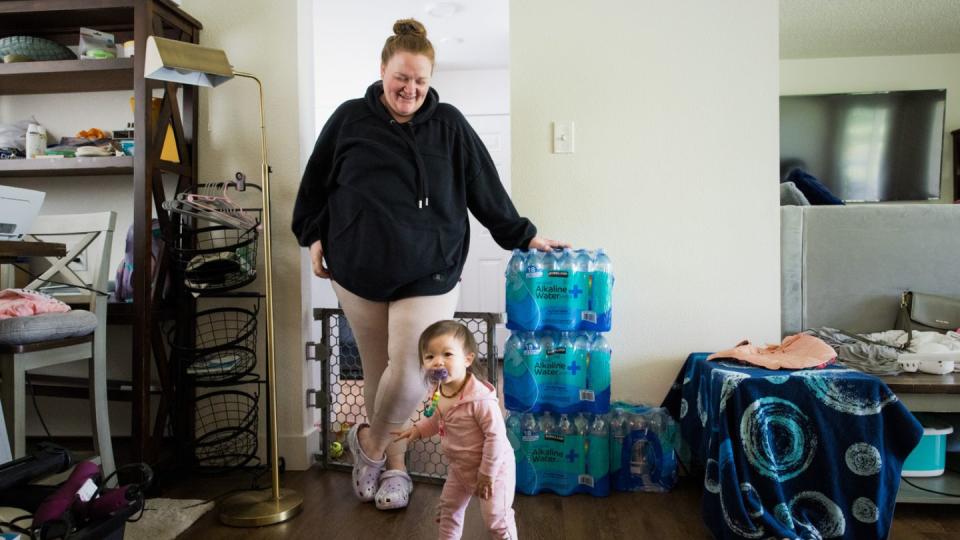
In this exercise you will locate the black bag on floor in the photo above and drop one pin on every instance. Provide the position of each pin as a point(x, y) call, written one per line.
point(103, 516)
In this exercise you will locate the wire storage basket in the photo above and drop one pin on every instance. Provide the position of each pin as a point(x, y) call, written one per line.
point(225, 427)
point(217, 259)
point(223, 350)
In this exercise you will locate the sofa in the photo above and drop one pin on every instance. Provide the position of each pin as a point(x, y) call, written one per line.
point(846, 266)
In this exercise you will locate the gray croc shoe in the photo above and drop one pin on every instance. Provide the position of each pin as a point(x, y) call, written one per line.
point(366, 472)
point(395, 489)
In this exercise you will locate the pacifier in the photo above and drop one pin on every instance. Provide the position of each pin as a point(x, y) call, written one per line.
point(438, 374)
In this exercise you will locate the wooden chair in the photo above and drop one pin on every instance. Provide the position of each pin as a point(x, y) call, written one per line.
point(81, 334)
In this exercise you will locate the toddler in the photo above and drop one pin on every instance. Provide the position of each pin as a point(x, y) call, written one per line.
point(465, 411)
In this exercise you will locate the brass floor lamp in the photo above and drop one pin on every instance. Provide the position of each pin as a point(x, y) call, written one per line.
point(188, 63)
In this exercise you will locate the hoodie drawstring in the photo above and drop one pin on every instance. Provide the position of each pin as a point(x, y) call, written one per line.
point(423, 191)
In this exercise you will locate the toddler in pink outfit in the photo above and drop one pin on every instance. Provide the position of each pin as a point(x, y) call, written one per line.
point(465, 411)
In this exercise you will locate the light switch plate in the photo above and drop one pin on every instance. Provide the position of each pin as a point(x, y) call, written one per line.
point(563, 137)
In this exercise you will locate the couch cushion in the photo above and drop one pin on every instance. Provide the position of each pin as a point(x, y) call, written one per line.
point(47, 327)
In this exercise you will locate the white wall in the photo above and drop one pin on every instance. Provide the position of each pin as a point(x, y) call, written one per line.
point(675, 105)
point(878, 73)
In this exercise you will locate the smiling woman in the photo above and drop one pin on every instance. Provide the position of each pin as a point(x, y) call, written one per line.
point(383, 207)
point(407, 64)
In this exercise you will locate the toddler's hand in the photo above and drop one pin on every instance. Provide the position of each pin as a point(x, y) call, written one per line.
point(412, 434)
point(484, 486)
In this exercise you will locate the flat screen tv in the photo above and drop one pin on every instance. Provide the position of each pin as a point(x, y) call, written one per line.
point(870, 147)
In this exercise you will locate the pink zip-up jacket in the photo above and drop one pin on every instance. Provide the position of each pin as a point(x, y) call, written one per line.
point(473, 436)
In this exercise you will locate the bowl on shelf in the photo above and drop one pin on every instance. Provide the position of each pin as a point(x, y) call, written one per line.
point(30, 48)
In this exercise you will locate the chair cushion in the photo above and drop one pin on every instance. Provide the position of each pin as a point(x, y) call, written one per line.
point(47, 327)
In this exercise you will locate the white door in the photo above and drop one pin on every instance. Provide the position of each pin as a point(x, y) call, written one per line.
point(482, 284)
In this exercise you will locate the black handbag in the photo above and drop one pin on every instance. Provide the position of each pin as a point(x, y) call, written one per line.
point(927, 313)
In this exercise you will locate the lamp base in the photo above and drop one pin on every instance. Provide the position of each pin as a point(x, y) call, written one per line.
point(259, 508)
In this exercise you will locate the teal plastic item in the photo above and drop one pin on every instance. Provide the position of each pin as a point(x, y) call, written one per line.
point(601, 293)
point(930, 456)
point(560, 372)
point(35, 48)
point(560, 454)
point(643, 455)
point(558, 290)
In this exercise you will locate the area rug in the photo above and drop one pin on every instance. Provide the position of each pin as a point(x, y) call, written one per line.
point(164, 519)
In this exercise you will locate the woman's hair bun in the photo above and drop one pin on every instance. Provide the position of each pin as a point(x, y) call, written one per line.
point(409, 27)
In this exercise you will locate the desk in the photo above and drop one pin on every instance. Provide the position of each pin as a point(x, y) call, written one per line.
point(12, 250)
point(922, 392)
point(788, 454)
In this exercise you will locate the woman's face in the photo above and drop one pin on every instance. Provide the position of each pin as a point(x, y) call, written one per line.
point(406, 79)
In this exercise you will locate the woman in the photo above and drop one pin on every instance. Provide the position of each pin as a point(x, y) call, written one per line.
point(383, 201)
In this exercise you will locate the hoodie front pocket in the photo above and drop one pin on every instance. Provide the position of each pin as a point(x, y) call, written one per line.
point(378, 252)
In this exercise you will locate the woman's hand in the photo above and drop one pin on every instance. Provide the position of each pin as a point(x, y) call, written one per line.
point(316, 257)
point(546, 244)
point(484, 486)
point(410, 434)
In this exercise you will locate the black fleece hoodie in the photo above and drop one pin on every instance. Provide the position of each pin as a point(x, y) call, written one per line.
point(389, 200)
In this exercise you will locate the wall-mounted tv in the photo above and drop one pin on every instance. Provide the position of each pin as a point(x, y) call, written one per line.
point(877, 146)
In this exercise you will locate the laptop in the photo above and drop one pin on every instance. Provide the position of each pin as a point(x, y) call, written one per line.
point(18, 208)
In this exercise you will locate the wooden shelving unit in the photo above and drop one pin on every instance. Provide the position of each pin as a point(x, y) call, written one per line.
point(60, 76)
point(60, 21)
point(80, 166)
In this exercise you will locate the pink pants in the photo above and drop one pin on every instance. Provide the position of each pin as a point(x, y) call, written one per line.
point(497, 511)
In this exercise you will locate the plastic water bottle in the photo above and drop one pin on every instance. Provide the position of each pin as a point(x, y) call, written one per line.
point(617, 437)
point(598, 454)
point(581, 352)
point(575, 374)
point(547, 425)
point(515, 433)
point(522, 310)
point(566, 315)
point(519, 385)
point(513, 361)
point(580, 291)
point(534, 274)
point(598, 374)
point(529, 425)
point(574, 452)
point(601, 293)
point(581, 423)
point(515, 288)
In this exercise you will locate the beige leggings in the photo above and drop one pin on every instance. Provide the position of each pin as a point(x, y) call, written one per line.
point(387, 334)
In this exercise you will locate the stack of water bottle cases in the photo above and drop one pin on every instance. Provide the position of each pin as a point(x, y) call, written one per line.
point(566, 438)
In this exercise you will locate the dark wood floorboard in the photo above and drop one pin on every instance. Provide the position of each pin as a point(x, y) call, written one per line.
point(331, 513)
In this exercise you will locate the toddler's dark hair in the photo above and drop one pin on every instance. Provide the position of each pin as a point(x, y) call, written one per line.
point(458, 331)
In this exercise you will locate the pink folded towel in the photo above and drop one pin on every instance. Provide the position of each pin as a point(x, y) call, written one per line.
point(23, 303)
point(799, 351)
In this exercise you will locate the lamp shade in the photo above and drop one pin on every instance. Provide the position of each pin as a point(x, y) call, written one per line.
point(185, 63)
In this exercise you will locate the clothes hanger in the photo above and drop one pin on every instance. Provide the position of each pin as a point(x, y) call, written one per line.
point(211, 203)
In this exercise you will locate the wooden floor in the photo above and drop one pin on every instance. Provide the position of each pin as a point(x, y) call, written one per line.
point(331, 513)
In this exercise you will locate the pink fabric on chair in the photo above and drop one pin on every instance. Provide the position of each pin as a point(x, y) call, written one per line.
point(23, 303)
point(799, 351)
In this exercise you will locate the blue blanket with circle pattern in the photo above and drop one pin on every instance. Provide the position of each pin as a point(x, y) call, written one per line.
point(793, 454)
